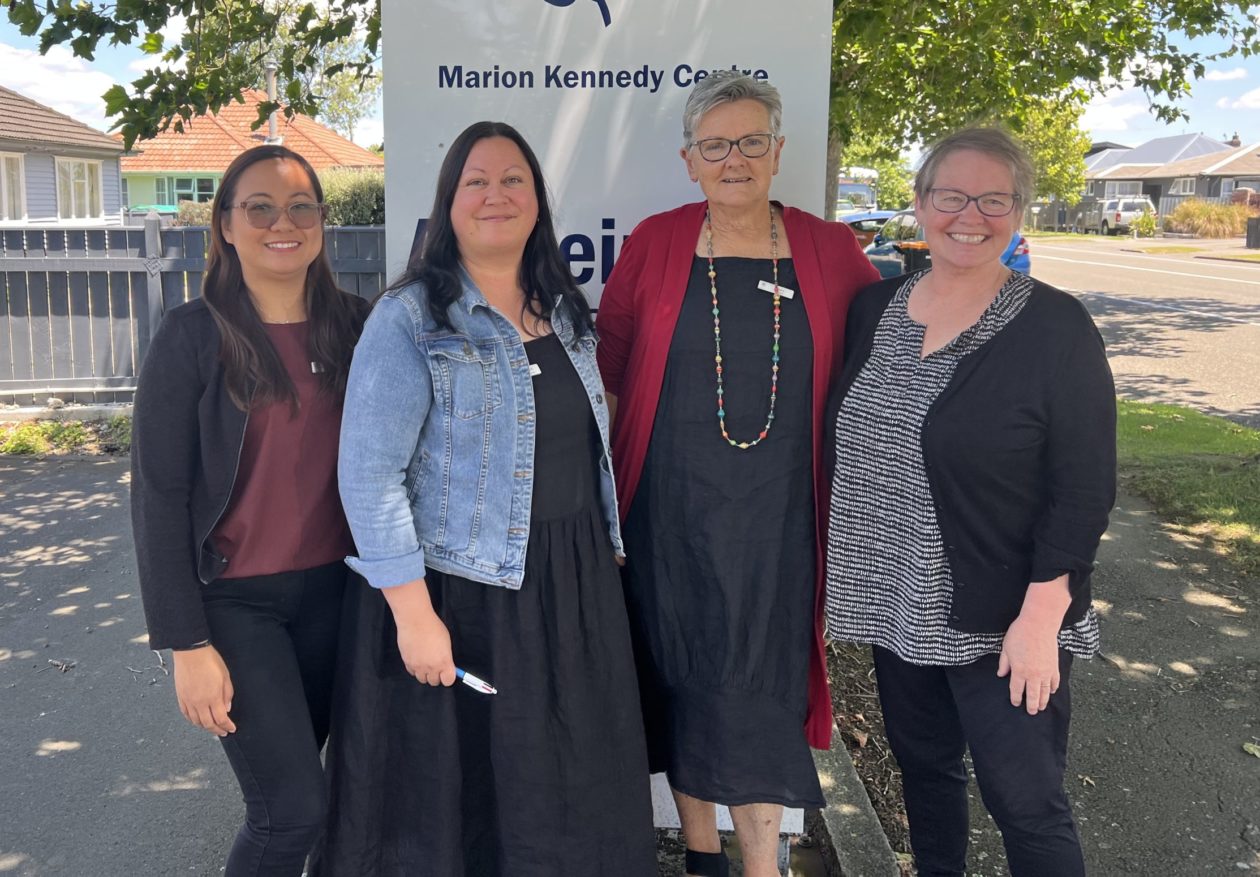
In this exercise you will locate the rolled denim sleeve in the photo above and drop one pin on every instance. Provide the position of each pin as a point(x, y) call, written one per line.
point(388, 397)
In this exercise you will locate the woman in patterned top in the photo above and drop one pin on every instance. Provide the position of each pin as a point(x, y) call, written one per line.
point(974, 429)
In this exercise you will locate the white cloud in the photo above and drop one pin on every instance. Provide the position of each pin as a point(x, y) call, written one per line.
point(1113, 111)
point(1248, 101)
point(59, 80)
point(1226, 75)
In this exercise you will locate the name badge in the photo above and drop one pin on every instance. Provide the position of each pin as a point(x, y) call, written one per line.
point(534, 370)
point(767, 286)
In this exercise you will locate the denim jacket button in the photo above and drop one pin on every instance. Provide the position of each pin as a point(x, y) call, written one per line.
point(599, 397)
point(467, 349)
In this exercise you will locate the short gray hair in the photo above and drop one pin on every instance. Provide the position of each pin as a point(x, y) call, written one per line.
point(725, 86)
point(993, 142)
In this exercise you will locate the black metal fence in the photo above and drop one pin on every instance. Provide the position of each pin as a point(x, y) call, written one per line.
point(79, 305)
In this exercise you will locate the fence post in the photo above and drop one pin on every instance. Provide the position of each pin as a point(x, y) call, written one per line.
point(151, 314)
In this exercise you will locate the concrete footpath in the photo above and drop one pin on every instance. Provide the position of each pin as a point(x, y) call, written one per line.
point(100, 776)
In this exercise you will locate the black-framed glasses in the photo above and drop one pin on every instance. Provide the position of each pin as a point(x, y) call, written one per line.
point(993, 204)
point(718, 148)
point(303, 214)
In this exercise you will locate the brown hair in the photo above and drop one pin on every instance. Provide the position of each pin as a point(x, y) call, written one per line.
point(254, 373)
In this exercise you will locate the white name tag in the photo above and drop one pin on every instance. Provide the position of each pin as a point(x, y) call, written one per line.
point(534, 370)
point(767, 286)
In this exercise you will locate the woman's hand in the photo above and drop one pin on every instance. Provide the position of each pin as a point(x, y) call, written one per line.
point(1030, 649)
point(423, 640)
point(203, 688)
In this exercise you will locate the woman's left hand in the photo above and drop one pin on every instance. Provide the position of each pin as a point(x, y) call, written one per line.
point(1030, 649)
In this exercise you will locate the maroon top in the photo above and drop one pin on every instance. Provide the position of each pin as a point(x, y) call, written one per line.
point(285, 513)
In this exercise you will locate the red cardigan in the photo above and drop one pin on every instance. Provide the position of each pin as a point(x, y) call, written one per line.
point(636, 320)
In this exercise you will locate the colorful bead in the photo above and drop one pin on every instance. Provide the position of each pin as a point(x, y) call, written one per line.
point(717, 334)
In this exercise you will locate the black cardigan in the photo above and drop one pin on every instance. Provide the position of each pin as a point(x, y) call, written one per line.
point(186, 442)
point(1020, 452)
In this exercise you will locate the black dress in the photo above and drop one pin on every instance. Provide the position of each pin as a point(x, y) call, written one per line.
point(550, 775)
point(720, 549)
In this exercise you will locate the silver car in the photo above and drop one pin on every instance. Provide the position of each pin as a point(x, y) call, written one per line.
point(1116, 215)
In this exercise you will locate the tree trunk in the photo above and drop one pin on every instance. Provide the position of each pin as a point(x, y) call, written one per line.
point(834, 148)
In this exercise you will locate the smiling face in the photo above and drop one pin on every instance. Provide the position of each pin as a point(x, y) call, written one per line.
point(495, 206)
point(735, 182)
point(282, 251)
point(968, 240)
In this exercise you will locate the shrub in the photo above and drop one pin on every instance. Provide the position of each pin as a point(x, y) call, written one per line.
point(25, 438)
point(67, 435)
point(115, 434)
point(1207, 219)
point(354, 197)
point(193, 213)
point(1144, 226)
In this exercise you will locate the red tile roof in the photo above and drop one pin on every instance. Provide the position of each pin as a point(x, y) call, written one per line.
point(28, 121)
point(209, 143)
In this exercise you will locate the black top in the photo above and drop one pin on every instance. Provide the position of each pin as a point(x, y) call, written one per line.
point(1020, 453)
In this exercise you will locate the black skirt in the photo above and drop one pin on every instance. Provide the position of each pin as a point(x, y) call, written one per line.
point(720, 545)
point(547, 777)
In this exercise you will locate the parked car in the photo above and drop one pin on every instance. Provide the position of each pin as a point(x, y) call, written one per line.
point(1116, 215)
point(899, 248)
point(866, 224)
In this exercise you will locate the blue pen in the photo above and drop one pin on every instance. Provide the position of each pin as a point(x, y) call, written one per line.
point(474, 683)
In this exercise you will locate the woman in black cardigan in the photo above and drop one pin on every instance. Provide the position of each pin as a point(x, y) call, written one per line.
point(974, 440)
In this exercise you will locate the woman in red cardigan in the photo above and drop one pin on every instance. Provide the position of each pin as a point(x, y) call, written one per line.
point(719, 330)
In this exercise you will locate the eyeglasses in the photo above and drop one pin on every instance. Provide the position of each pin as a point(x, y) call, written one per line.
point(303, 214)
point(992, 204)
point(718, 148)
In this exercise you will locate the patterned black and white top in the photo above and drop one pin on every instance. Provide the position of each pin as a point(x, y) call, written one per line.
point(888, 577)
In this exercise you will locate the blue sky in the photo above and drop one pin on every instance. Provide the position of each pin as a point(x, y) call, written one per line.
point(1226, 100)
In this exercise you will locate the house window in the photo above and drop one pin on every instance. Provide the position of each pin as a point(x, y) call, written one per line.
point(1182, 186)
point(159, 191)
point(1122, 188)
point(125, 199)
point(79, 189)
point(183, 189)
point(205, 190)
point(12, 188)
point(1227, 187)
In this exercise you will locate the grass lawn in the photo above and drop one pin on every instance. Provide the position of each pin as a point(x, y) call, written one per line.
point(1172, 249)
point(1246, 257)
point(1201, 473)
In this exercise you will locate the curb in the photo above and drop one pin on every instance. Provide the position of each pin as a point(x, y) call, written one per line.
point(1239, 259)
point(853, 831)
point(102, 411)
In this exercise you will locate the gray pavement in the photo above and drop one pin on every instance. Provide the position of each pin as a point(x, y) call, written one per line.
point(99, 775)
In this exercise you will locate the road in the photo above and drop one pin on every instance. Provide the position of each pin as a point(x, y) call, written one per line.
point(1179, 329)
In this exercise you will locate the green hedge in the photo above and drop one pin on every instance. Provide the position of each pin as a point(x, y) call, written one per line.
point(354, 197)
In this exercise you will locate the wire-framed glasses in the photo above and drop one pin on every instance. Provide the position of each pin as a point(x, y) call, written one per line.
point(262, 214)
point(992, 204)
point(718, 148)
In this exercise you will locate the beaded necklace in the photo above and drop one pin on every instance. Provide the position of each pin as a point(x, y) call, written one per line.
point(717, 336)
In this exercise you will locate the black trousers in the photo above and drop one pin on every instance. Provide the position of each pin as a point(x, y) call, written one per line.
point(932, 715)
point(278, 636)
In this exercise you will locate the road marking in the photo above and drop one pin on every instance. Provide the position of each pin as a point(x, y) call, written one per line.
point(1183, 259)
point(1040, 257)
point(1162, 307)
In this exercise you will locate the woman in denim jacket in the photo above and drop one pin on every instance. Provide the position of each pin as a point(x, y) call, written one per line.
point(475, 475)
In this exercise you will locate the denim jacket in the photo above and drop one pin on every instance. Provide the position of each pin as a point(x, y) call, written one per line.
point(437, 441)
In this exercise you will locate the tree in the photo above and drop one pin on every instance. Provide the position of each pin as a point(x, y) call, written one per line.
point(907, 71)
point(1050, 131)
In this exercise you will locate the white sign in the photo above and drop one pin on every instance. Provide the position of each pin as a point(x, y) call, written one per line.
point(597, 87)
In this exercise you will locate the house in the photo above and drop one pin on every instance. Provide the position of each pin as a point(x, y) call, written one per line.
point(55, 170)
point(187, 165)
point(1214, 177)
point(1117, 173)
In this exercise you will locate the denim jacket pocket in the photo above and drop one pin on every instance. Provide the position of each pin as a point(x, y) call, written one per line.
point(465, 376)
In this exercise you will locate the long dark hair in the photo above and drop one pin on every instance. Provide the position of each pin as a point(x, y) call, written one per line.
point(544, 275)
point(255, 375)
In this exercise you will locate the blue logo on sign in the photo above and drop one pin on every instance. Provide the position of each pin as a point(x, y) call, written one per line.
point(602, 4)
